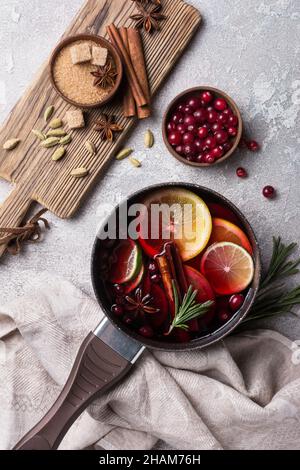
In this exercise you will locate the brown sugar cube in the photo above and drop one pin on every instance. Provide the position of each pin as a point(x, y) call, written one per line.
point(99, 55)
point(81, 53)
point(75, 119)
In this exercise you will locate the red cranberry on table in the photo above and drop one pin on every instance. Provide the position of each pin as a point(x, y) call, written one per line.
point(209, 158)
point(253, 146)
point(241, 172)
point(236, 302)
point(269, 192)
point(221, 137)
point(217, 152)
point(232, 131)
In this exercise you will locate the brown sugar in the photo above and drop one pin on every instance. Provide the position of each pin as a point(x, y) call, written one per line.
point(75, 81)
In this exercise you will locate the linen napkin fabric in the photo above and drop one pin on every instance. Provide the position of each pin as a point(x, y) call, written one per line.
point(241, 393)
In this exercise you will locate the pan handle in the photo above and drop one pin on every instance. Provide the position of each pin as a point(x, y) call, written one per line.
point(97, 368)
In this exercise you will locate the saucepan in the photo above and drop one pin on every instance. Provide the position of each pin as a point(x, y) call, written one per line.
point(108, 353)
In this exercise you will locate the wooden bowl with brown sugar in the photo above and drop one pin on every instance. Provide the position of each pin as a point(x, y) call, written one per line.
point(75, 82)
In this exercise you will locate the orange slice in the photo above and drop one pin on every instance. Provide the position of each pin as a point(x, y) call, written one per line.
point(228, 268)
point(185, 218)
point(225, 231)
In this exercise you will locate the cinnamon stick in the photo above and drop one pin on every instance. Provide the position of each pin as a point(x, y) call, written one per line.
point(137, 56)
point(136, 88)
point(129, 108)
point(167, 278)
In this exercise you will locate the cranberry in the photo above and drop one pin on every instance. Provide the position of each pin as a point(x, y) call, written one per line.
point(216, 127)
point(220, 104)
point(146, 331)
point(128, 320)
point(212, 116)
point(228, 112)
point(200, 115)
point(117, 310)
point(171, 126)
point(207, 96)
point(156, 278)
point(190, 158)
point(200, 158)
point(177, 118)
point(224, 316)
point(232, 131)
point(181, 107)
point(269, 192)
point(190, 150)
point(194, 103)
point(209, 158)
point(118, 289)
point(210, 142)
point(120, 300)
point(217, 152)
point(174, 138)
point(236, 301)
point(181, 128)
point(198, 145)
point(188, 138)
point(152, 268)
point(179, 149)
point(253, 146)
point(232, 120)
point(189, 120)
point(222, 119)
point(221, 137)
point(202, 132)
point(188, 109)
point(227, 146)
point(241, 172)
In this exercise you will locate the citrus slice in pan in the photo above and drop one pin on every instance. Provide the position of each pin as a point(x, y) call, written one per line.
point(126, 262)
point(135, 282)
point(224, 231)
point(175, 214)
point(228, 268)
point(205, 293)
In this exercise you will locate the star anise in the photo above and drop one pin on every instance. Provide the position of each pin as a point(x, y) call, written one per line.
point(148, 18)
point(106, 125)
point(139, 304)
point(105, 75)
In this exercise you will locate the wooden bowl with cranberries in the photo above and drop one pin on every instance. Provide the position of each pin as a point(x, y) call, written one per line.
point(202, 127)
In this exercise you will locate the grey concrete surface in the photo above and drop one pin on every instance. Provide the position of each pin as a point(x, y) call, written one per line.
point(249, 49)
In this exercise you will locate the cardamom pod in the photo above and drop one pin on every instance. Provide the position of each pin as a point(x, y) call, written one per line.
point(90, 146)
point(56, 133)
point(50, 142)
point(38, 134)
point(58, 154)
point(66, 140)
point(149, 139)
point(79, 172)
point(135, 162)
point(48, 113)
point(11, 144)
point(124, 154)
point(56, 123)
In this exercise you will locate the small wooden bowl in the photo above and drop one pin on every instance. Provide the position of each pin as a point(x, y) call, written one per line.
point(101, 42)
point(185, 95)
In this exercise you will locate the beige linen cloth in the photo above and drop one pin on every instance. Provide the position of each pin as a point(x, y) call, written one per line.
point(242, 393)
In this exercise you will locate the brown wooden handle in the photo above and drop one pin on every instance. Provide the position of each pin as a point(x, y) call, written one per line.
point(13, 210)
point(96, 369)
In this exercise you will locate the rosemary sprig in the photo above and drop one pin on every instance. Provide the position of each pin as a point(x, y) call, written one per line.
point(188, 310)
point(274, 298)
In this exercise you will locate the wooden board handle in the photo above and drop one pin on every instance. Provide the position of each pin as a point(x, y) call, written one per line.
point(13, 210)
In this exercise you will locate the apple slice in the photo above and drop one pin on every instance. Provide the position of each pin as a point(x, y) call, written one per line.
point(205, 293)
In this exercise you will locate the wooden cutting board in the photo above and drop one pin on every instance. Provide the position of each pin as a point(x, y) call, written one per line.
point(35, 176)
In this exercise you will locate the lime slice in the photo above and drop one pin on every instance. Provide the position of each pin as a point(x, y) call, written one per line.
point(126, 262)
